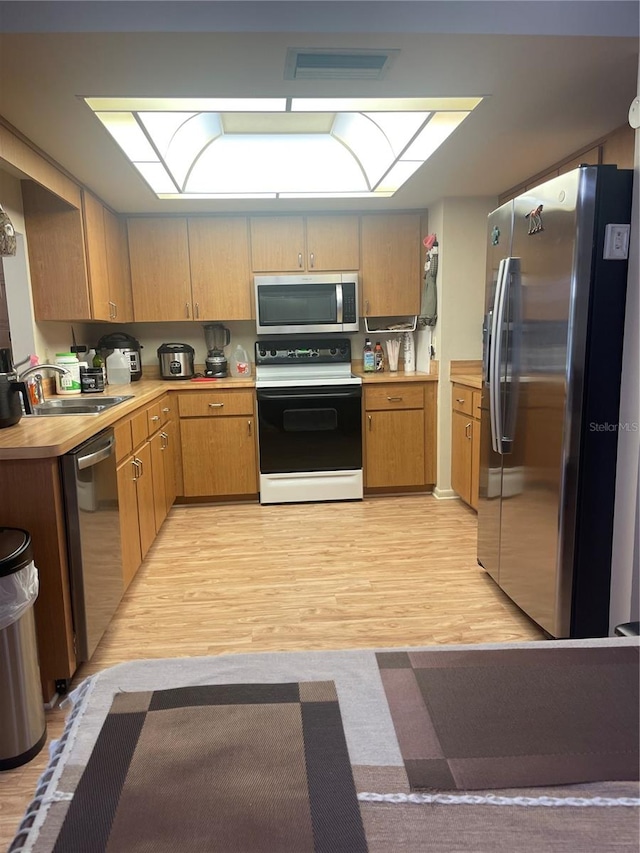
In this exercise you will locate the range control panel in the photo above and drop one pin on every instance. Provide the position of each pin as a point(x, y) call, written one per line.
point(311, 351)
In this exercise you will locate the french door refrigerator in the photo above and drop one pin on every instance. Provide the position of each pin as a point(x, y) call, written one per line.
point(553, 328)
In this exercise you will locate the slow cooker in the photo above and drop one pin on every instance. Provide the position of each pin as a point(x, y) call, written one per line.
point(176, 361)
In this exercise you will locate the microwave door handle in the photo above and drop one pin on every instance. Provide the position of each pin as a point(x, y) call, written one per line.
point(339, 304)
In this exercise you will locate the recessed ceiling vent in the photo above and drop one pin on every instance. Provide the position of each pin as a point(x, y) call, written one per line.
point(331, 64)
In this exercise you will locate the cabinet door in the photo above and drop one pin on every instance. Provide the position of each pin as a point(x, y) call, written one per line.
point(146, 503)
point(391, 264)
point(129, 526)
point(394, 442)
point(156, 445)
point(333, 243)
point(218, 456)
point(94, 236)
point(168, 449)
point(57, 264)
point(220, 268)
point(475, 464)
point(277, 244)
point(115, 233)
point(461, 443)
point(160, 274)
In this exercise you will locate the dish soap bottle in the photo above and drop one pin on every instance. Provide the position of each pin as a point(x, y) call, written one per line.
point(368, 357)
point(118, 368)
point(240, 364)
point(378, 353)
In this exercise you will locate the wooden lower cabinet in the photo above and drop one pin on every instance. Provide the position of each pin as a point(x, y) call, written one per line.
point(137, 509)
point(465, 443)
point(218, 443)
point(398, 443)
point(129, 524)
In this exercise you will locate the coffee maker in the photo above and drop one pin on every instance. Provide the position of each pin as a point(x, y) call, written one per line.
point(217, 338)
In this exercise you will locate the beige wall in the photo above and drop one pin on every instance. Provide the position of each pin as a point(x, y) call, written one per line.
point(461, 226)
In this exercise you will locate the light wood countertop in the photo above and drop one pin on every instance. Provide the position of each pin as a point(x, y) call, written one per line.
point(397, 376)
point(45, 436)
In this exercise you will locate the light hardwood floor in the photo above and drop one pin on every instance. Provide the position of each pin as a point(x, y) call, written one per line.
point(396, 571)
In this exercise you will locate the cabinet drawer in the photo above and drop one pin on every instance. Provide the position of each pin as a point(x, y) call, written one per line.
point(215, 403)
point(166, 409)
point(394, 396)
point(462, 399)
point(154, 418)
point(139, 427)
point(123, 439)
point(476, 401)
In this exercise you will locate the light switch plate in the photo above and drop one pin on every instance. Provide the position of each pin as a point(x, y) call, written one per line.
point(616, 242)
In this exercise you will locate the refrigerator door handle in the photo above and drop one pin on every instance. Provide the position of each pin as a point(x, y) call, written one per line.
point(513, 299)
point(495, 353)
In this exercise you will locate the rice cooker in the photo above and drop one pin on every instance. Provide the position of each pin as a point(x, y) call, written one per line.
point(176, 361)
point(129, 346)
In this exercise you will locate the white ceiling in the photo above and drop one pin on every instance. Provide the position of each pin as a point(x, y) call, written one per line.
point(548, 95)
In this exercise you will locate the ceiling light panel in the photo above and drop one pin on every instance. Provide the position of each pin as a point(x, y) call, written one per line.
point(251, 148)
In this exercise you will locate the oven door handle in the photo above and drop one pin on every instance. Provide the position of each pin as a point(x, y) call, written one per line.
point(267, 395)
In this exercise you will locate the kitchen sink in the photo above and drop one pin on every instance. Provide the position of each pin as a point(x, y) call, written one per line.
point(77, 405)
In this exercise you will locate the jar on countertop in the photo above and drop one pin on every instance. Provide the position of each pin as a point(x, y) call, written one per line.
point(68, 383)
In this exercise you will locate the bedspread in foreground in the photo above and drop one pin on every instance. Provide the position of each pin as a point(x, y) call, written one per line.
point(296, 752)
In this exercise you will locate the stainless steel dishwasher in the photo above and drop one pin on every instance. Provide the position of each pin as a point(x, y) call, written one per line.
point(93, 538)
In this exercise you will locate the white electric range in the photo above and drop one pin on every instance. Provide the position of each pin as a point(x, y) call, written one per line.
point(309, 420)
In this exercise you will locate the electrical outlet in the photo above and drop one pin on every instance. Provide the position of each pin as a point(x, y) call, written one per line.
point(616, 242)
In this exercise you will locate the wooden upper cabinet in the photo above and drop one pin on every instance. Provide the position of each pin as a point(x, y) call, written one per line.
point(95, 241)
point(305, 244)
point(160, 272)
point(333, 243)
point(391, 264)
point(220, 268)
point(55, 242)
point(121, 302)
point(277, 244)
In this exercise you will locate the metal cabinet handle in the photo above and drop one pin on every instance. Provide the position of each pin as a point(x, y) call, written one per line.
point(216, 405)
point(467, 430)
point(165, 440)
point(166, 409)
point(366, 306)
point(312, 260)
point(187, 310)
point(370, 422)
point(115, 311)
point(155, 417)
point(300, 259)
point(139, 466)
point(395, 399)
point(459, 399)
point(250, 428)
point(197, 310)
point(136, 473)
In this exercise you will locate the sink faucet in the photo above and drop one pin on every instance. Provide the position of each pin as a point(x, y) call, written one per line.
point(35, 371)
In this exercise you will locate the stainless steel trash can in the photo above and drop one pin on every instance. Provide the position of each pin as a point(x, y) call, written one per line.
point(23, 729)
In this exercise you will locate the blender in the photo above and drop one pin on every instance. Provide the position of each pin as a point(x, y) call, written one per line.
point(216, 337)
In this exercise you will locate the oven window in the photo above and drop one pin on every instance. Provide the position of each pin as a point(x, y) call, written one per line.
point(310, 429)
point(297, 304)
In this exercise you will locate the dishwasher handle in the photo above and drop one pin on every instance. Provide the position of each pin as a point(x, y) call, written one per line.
point(97, 455)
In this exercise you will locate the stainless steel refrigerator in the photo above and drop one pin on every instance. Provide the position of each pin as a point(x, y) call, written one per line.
point(553, 329)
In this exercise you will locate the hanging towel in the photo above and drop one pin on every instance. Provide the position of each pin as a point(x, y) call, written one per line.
point(429, 301)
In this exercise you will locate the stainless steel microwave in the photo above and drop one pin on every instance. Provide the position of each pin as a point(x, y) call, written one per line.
point(294, 304)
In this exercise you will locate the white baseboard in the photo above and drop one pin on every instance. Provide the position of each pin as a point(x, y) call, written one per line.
point(445, 494)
